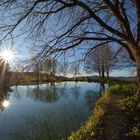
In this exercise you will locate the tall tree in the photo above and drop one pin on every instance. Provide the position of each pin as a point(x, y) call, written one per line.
point(101, 60)
point(37, 69)
point(50, 66)
point(63, 68)
point(75, 68)
point(77, 22)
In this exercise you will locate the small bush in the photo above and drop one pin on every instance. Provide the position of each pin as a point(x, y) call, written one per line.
point(121, 90)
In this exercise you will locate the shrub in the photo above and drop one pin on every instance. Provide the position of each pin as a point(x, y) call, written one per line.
point(121, 90)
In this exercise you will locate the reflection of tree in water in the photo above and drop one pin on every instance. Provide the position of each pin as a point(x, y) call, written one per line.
point(18, 93)
point(102, 88)
point(65, 91)
point(51, 93)
point(59, 121)
point(91, 97)
point(76, 91)
point(48, 94)
point(62, 89)
point(53, 125)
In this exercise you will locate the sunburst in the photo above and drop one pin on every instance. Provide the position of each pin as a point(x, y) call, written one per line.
point(5, 103)
point(7, 55)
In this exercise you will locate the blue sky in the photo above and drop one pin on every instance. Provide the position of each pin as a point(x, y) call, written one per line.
point(21, 46)
point(22, 51)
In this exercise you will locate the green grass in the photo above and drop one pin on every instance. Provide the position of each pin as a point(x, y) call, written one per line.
point(116, 116)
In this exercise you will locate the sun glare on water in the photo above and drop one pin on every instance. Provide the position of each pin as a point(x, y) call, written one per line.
point(5, 103)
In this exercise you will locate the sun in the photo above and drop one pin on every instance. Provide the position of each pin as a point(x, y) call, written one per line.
point(7, 55)
point(5, 103)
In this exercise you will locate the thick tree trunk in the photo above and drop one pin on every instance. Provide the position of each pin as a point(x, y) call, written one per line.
point(107, 73)
point(99, 72)
point(37, 78)
point(103, 72)
point(138, 76)
point(137, 59)
point(134, 53)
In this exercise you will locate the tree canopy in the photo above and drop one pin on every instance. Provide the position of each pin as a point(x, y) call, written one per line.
point(56, 26)
point(101, 60)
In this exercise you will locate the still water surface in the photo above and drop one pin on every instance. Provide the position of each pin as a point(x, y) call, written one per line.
point(46, 112)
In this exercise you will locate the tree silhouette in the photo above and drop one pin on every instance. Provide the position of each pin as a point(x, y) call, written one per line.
point(74, 23)
point(101, 60)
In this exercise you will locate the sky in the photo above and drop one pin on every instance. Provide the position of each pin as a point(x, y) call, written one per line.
point(22, 49)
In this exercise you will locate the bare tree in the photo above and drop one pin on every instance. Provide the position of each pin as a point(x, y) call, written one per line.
point(18, 67)
point(63, 68)
point(75, 68)
point(60, 25)
point(101, 60)
point(50, 66)
point(110, 60)
point(37, 69)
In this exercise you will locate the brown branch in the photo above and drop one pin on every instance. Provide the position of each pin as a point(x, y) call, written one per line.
point(124, 24)
point(137, 2)
point(99, 20)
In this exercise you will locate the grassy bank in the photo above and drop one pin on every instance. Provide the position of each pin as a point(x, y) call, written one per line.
point(116, 116)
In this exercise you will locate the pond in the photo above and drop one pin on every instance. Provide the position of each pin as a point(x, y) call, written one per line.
point(47, 111)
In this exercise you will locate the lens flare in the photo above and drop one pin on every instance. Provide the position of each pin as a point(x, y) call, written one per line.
point(5, 103)
point(7, 55)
